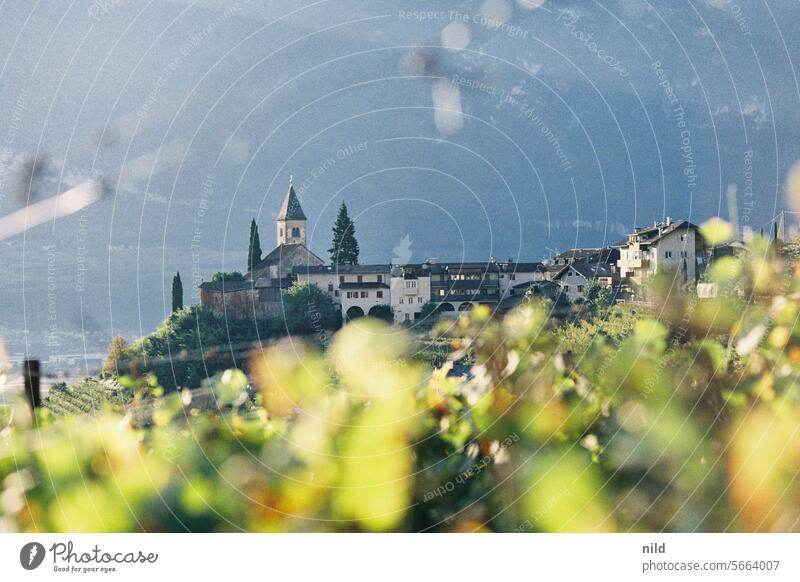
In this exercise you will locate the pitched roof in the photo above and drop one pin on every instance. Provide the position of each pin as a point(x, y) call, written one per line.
point(596, 254)
point(342, 269)
point(364, 285)
point(461, 267)
point(659, 230)
point(537, 284)
point(290, 209)
point(274, 256)
point(522, 267)
point(588, 270)
point(226, 286)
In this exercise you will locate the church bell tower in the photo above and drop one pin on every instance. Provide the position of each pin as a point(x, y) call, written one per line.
point(290, 226)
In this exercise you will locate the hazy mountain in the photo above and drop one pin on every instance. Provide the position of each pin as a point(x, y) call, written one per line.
point(561, 125)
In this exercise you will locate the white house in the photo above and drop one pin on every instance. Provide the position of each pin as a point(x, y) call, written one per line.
point(676, 245)
point(574, 278)
point(410, 291)
point(514, 274)
point(356, 288)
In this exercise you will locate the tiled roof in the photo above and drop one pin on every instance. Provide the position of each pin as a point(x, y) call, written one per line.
point(364, 285)
point(522, 267)
point(274, 256)
point(343, 270)
point(226, 286)
point(588, 270)
point(597, 254)
point(657, 231)
point(545, 284)
point(460, 267)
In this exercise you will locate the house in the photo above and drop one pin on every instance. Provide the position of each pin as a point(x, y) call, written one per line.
point(574, 278)
point(410, 291)
point(513, 273)
point(358, 289)
point(675, 245)
point(260, 298)
point(461, 286)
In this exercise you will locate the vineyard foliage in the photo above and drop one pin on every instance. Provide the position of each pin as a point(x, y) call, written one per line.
point(682, 416)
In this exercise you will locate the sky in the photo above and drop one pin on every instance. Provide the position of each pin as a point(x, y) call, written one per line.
point(469, 130)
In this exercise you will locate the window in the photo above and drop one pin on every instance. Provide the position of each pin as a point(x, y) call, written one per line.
point(419, 299)
point(352, 294)
point(683, 237)
point(360, 279)
point(379, 294)
point(295, 232)
point(411, 283)
point(281, 232)
point(336, 293)
point(441, 292)
point(566, 288)
point(402, 300)
point(408, 317)
point(341, 278)
point(667, 254)
point(684, 254)
point(330, 287)
point(364, 294)
point(580, 288)
point(513, 276)
point(380, 278)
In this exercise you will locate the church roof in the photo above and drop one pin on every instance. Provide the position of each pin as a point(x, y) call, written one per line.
point(282, 252)
point(290, 209)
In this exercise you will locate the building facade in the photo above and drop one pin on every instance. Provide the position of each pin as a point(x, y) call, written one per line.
point(410, 291)
point(675, 245)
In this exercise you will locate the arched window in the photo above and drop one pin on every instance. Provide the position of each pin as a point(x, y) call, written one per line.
point(295, 232)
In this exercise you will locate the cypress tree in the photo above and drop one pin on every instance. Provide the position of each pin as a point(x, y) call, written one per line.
point(344, 246)
point(254, 247)
point(177, 292)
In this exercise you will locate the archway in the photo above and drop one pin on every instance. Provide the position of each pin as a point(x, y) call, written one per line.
point(354, 313)
point(446, 307)
point(383, 312)
point(466, 306)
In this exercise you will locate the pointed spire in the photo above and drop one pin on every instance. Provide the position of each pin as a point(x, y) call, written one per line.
point(290, 209)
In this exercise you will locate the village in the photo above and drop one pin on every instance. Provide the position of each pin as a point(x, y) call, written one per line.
point(447, 288)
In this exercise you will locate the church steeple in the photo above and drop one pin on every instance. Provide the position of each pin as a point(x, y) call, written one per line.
point(291, 221)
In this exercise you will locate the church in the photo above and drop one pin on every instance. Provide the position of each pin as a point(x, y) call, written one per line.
point(260, 293)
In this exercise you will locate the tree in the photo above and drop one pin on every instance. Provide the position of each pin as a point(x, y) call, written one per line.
point(382, 312)
point(118, 356)
point(344, 246)
point(307, 309)
point(429, 314)
point(221, 276)
point(597, 296)
point(254, 247)
point(177, 292)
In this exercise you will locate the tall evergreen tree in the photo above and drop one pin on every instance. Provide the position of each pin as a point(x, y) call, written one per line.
point(177, 292)
point(344, 246)
point(254, 247)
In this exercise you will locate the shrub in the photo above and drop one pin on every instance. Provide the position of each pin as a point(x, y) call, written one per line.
point(220, 276)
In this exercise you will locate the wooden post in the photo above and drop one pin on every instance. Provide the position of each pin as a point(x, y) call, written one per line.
point(31, 371)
